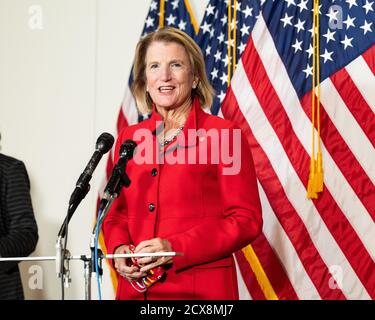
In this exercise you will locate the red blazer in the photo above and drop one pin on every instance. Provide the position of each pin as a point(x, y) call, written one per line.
point(205, 214)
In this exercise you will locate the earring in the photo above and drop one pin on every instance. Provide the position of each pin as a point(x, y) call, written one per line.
point(195, 84)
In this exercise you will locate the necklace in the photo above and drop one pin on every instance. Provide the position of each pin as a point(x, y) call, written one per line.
point(171, 138)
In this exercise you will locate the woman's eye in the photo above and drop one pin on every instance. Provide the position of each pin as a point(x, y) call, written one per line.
point(153, 66)
point(176, 65)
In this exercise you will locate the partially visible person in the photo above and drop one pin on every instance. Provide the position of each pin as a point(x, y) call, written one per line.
point(18, 228)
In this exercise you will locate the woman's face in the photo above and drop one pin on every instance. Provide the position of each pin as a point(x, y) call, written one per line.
point(169, 76)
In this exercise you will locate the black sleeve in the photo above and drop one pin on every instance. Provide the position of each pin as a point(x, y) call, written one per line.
point(19, 231)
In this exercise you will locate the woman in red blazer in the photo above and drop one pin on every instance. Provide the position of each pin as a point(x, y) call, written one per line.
point(193, 187)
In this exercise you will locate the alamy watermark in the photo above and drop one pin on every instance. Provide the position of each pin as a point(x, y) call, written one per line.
point(213, 146)
point(35, 21)
point(337, 277)
point(35, 280)
point(335, 14)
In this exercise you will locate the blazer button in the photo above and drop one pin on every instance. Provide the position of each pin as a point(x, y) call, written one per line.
point(151, 207)
point(154, 172)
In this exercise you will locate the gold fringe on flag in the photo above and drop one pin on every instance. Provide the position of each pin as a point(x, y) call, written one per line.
point(161, 15)
point(232, 66)
point(261, 276)
point(315, 183)
point(234, 36)
point(192, 18)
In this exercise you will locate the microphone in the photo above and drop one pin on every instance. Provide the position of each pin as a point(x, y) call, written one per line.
point(126, 152)
point(103, 145)
point(119, 178)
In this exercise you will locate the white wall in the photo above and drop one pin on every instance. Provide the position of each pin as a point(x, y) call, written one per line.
point(63, 70)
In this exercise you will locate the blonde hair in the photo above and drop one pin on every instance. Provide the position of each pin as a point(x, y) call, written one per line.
point(204, 90)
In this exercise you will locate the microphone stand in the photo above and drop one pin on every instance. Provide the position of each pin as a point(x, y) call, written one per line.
point(103, 145)
point(118, 180)
point(87, 259)
point(62, 254)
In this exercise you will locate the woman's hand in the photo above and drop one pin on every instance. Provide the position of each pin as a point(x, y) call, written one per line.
point(129, 272)
point(153, 245)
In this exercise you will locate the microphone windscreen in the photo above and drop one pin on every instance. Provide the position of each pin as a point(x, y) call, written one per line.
point(127, 149)
point(104, 142)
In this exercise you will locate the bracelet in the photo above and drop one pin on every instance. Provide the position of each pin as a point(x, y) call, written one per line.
point(153, 275)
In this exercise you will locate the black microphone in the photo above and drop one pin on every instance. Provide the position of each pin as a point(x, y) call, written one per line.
point(126, 152)
point(118, 177)
point(103, 145)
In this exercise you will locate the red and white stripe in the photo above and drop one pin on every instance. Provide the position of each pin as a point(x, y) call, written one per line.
point(333, 236)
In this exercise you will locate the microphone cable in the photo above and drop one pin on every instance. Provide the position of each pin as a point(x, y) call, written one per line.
point(98, 277)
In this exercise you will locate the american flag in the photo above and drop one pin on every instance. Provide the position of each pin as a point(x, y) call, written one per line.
point(320, 249)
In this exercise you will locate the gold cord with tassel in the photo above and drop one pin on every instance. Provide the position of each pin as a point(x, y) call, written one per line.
point(232, 66)
point(161, 15)
point(315, 183)
point(319, 168)
point(234, 36)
